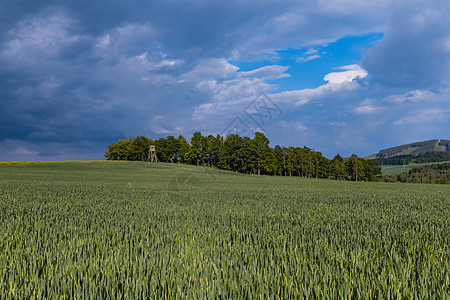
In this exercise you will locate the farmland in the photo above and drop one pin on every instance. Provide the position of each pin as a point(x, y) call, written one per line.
point(134, 230)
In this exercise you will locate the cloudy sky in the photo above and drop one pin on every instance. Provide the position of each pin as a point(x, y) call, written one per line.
point(339, 76)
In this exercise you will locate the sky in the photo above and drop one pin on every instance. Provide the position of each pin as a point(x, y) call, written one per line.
point(338, 76)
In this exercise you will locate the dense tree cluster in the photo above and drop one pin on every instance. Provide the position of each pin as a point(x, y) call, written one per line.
point(246, 155)
point(439, 173)
point(426, 157)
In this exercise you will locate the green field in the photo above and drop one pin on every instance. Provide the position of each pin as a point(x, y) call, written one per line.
point(141, 230)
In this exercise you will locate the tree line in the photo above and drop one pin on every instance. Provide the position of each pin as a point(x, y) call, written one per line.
point(246, 155)
point(439, 173)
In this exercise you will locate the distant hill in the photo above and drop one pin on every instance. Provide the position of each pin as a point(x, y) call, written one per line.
point(415, 148)
point(421, 158)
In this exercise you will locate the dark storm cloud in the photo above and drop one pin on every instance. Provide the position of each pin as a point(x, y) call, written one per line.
point(76, 75)
point(415, 52)
point(190, 27)
point(77, 71)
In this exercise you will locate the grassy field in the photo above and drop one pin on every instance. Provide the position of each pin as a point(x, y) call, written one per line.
point(397, 169)
point(141, 230)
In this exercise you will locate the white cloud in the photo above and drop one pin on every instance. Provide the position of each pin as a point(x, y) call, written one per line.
point(310, 54)
point(345, 76)
point(336, 81)
point(154, 63)
point(209, 69)
point(230, 96)
point(308, 58)
point(291, 126)
point(349, 67)
point(367, 107)
point(411, 96)
point(39, 36)
point(426, 116)
point(128, 41)
point(220, 81)
point(338, 124)
point(168, 131)
point(103, 41)
point(311, 51)
point(266, 72)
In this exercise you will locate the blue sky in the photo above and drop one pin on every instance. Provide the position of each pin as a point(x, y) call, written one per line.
point(339, 76)
point(308, 65)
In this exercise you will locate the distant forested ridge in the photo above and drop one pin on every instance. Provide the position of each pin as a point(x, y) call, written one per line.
point(246, 155)
point(426, 157)
point(439, 173)
point(415, 148)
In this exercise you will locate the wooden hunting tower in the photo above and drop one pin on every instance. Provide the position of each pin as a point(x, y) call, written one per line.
point(152, 154)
